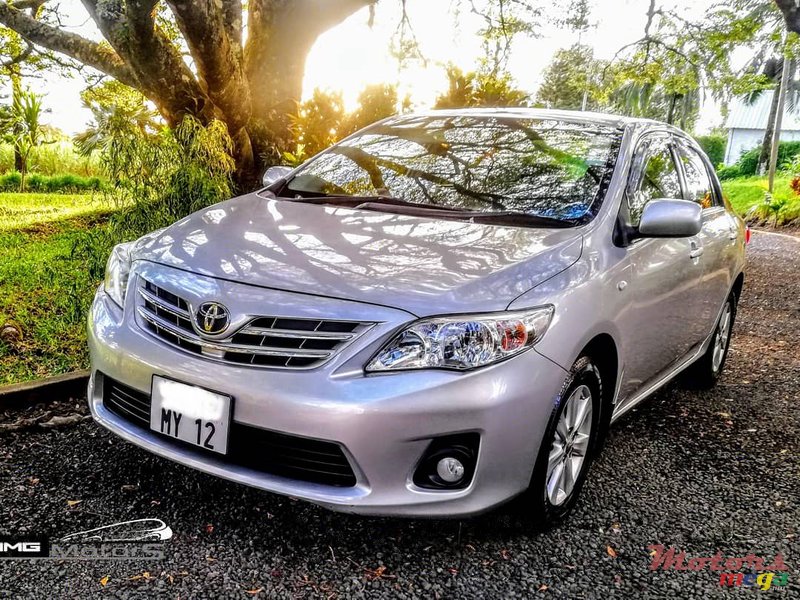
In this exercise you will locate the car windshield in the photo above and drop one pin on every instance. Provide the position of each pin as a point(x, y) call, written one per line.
point(539, 167)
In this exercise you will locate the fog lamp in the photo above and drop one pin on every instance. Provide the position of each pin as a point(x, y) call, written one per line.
point(450, 469)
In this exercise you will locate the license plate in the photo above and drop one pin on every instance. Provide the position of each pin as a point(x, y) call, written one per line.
point(191, 414)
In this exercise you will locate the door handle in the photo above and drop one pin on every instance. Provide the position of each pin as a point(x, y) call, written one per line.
point(696, 250)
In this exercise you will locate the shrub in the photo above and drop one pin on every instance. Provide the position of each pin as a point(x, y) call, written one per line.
point(714, 147)
point(731, 172)
point(65, 183)
point(748, 162)
point(53, 159)
point(156, 179)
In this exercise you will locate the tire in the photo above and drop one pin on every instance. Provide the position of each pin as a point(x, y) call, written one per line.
point(549, 499)
point(706, 370)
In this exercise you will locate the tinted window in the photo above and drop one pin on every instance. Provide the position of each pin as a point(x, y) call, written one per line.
point(698, 184)
point(657, 179)
point(545, 168)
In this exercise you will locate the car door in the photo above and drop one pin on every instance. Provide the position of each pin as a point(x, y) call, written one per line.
point(659, 323)
point(717, 237)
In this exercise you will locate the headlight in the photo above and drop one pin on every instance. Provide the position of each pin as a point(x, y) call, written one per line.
point(462, 342)
point(117, 270)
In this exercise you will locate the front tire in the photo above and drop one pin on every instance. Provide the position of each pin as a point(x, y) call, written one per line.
point(568, 447)
point(706, 371)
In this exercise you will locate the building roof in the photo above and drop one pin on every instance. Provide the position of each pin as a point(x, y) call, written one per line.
point(755, 115)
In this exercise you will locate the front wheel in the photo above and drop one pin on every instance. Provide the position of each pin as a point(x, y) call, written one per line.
point(567, 448)
point(706, 371)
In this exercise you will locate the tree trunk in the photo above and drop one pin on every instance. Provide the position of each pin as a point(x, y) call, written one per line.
point(252, 89)
point(766, 143)
point(673, 101)
point(16, 88)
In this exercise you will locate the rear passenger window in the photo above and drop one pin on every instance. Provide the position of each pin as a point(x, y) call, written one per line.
point(698, 184)
point(658, 179)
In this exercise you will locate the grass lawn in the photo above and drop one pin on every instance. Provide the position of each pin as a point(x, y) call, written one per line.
point(42, 292)
point(746, 192)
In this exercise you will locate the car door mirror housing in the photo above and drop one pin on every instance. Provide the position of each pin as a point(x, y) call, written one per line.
point(670, 217)
point(273, 174)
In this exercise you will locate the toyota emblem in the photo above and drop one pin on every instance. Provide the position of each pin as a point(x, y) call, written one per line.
point(213, 318)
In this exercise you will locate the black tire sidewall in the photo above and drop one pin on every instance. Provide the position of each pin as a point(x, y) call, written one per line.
point(716, 374)
point(542, 511)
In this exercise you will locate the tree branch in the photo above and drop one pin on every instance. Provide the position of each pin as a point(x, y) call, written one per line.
point(220, 70)
point(163, 76)
point(90, 53)
point(232, 17)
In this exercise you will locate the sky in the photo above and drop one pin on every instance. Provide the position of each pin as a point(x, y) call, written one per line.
point(352, 55)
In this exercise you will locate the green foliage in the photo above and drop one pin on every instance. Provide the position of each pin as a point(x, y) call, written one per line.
point(748, 162)
point(24, 127)
point(156, 179)
point(322, 120)
point(318, 122)
point(120, 112)
point(375, 102)
point(50, 184)
point(730, 172)
point(714, 146)
point(44, 293)
point(475, 88)
point(570, 75)
point(748, 196)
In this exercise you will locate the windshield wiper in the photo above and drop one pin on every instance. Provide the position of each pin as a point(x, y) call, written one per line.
point(515, 219)
point(363, 201)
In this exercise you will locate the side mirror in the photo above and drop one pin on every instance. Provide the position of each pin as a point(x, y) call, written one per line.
point(272, 174)
point(667, 217)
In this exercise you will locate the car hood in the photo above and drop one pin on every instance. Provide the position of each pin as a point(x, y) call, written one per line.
point(420, 264)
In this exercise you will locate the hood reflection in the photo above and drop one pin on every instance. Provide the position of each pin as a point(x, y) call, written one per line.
point(421, 264)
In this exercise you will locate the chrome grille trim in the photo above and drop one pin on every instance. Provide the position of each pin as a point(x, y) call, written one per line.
point(226, 347)
point(289, 333)
point(263, 341)
point(170, 308)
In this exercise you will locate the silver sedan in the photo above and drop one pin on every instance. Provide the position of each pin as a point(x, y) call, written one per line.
point(440, 313)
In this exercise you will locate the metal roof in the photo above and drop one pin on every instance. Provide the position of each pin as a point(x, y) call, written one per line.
point(754, 116)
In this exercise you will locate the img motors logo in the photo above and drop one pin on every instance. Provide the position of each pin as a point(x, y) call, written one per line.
point(765, 573)
point(23, 547)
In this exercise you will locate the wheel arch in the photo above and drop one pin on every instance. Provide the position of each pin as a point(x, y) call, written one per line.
point(602, 350)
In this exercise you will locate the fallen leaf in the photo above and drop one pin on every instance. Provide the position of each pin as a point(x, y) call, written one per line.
point(254, 592)
point(611, 552)
point(33, 480)
point(209, 528)
point(453, 571)
point(104, 581)
point(72, 503)
point(542, 588)
point(505, 554)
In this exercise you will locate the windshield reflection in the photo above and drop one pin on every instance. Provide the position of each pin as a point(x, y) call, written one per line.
point(541, 167)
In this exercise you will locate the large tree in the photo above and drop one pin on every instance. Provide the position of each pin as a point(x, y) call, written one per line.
point(251, 86)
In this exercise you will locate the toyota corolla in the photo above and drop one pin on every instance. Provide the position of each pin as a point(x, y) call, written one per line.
point(440, 313)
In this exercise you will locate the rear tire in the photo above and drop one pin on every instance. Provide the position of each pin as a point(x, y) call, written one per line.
point(568, 448)
point(706, 370)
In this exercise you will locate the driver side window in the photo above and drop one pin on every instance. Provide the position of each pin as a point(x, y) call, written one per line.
point(658, 178)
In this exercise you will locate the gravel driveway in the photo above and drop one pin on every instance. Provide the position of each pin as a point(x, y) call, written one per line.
point(699, 471)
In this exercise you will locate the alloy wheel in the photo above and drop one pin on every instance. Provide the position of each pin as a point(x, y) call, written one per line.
point(570, 445)
point(721, 337)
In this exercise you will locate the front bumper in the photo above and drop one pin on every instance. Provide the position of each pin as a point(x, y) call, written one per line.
point(384, 423)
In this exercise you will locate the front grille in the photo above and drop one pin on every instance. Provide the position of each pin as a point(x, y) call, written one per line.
point(264, 341)
point(289, 456)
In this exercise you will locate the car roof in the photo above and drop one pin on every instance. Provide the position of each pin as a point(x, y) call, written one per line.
point(571, 116)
